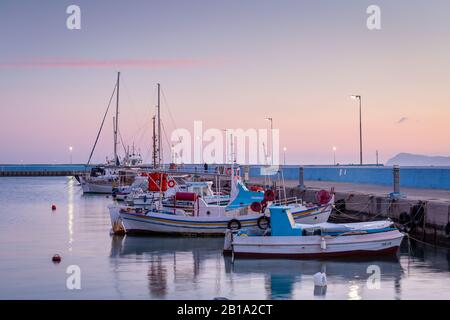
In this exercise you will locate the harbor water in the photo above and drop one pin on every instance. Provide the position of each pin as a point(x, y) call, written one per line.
point(126, 267)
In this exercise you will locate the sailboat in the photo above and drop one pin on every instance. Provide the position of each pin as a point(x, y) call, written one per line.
point(104, 178)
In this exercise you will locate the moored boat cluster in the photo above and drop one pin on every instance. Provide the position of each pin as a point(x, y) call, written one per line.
point(254, 221)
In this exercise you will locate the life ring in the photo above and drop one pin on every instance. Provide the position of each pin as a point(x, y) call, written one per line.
point(263, 222)
point(269, 195)
point(234, 225)
point(256, 206)
point(171, 183)
point(323, 197)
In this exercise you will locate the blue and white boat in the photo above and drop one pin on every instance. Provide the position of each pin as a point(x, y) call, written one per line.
point(288, 239)
point(246, 209)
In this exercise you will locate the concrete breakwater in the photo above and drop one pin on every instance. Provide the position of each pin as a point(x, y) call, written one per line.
point(425, 220)
point(28, 170)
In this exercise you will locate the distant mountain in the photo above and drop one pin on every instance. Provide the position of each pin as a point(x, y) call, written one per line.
point(408, 159)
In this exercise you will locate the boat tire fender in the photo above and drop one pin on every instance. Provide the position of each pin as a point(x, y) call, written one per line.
point(234, 225)
point(263, 222)
point(447, 230)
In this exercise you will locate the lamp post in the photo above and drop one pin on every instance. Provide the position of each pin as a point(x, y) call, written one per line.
point(334, 155)
point(360, 128)
point(70, 152)
point(271, 138)
point(284, 155)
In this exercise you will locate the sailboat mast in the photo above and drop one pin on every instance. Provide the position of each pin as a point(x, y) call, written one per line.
point(154, 143)
point(116, 127)
point(159, 125)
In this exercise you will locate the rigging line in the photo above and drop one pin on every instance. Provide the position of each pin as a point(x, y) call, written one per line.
point(130, 100)
point(165, 135)
point(101, 126)
point(168, 109)
point(143, 128)
point(121, 140)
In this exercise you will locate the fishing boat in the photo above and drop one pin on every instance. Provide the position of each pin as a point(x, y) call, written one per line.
point(146, 197)
point(189, 213)
point(139, 184)
point(103, 179)
point(288, 239)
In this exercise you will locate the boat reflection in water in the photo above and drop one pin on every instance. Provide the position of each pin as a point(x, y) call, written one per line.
point(194, 268)
point(173, 264)
point(283, 277)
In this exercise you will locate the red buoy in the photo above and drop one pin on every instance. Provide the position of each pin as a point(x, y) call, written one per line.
point(56, 258)
point(53, 207)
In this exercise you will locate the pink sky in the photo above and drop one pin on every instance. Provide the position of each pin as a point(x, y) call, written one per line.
point(297, 62)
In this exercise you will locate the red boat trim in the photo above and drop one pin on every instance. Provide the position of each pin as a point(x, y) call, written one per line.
point(359, 253)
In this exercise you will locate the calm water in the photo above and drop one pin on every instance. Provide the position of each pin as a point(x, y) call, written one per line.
point(115, 267)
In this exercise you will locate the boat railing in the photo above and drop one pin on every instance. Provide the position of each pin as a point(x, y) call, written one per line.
point(287, 201)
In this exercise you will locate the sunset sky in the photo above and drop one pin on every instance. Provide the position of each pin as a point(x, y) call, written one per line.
point(230, 64)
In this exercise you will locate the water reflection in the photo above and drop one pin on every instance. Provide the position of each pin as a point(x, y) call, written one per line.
point(157, 278)
point(174, 268)
point(282, 275)
point(70, 203)
point(181, 261)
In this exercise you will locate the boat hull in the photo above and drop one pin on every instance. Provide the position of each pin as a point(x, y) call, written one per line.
point(166, 223)
point(305, 247)
point(89, 187)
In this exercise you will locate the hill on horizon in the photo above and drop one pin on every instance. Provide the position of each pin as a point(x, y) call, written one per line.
point(409, 159)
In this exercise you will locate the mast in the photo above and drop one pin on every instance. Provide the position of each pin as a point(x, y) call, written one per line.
point(159, 125)
point(116, 126)
point(114, 133)
point(154, 143)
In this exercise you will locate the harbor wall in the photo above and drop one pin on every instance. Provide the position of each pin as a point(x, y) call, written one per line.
point(427, 221)
point(412, 177)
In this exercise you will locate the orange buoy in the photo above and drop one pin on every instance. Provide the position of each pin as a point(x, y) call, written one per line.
point(53, 206)
point(56, 258)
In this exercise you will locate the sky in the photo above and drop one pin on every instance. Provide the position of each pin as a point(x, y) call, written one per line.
point(230, 64)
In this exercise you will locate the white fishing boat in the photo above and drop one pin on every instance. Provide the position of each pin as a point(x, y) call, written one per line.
point(147, 198)
point(105, 179)
point(189, 213)
point(138, 186)
point(289, 239)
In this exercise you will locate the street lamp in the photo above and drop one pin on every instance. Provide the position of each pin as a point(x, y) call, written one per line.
point(70, 151)
point(334, 155)
point(284, 155)
point(360, 128)
point(271, 138)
